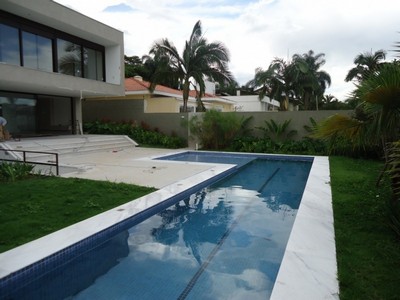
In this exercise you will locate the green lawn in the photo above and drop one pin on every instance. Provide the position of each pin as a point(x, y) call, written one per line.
point(368, 251)
point(37, 206)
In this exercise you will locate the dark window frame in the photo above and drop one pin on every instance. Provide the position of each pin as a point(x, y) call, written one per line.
point(36, 96)
point(29, 26)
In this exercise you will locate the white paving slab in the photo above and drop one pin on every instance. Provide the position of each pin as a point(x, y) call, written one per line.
point(309, 269)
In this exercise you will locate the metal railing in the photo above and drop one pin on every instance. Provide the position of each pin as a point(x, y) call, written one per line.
point(24, 152)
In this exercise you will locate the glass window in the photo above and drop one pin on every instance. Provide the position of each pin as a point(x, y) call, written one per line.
point(9, 45)
point(37, 52)
point(20, 112)
point(100, 68)
point(69, 58)
point(93, 64)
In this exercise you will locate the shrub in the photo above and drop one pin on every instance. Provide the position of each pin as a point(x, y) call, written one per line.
point(393, 170)
point(278, 132)
point(14, 171)
point(142, 134)
point(217, 130)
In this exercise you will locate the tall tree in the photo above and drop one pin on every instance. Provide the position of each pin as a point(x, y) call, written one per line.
point(199, 60)
point(366, 63)
point(276, 82)
point(133, 64)
point(300, 80)
point(376, 120)
point(311, 81)
point(227, 88)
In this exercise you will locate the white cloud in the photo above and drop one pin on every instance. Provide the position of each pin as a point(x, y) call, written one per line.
point(257, 31)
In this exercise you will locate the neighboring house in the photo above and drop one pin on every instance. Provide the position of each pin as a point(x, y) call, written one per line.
point(52, 57)
point(252, 103)
point(162, 100)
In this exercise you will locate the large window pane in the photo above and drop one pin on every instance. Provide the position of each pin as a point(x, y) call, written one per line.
point(69, 58)
point(100, 66)
point(9, 45)
point(90, 63)
point(37, 52)
point(20, 112)
point(93, 64)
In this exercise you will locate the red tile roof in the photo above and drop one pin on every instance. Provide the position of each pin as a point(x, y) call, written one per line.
point(133, 84)
point(138, 85)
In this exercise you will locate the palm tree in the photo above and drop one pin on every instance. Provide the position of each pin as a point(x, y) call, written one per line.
point(376, 120)
point(311, 82)
point(297, 80)
point(329, 99)
point(366, 63)
point(276, 82)
point(199, 59)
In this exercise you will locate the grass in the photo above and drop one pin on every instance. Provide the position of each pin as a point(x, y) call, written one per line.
point(34, 207)
point(368, 251)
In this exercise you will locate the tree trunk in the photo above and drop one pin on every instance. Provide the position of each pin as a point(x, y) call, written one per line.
point(285, 103)
point(185, 95)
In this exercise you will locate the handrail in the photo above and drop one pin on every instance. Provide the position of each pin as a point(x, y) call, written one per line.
point(33, 162)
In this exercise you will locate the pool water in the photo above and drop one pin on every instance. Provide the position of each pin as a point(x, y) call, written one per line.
point(210, 157)
point(224, 242)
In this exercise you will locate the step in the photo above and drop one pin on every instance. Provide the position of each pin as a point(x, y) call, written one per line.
point(71, 145)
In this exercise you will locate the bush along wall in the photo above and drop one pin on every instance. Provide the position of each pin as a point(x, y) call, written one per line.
point(142, 134)
point(232, 132)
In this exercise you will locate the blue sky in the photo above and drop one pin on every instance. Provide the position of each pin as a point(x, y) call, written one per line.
point(257, 31)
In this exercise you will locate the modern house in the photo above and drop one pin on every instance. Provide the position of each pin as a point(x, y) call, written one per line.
point(252, 103)
point(52, 57)
point(162, 100)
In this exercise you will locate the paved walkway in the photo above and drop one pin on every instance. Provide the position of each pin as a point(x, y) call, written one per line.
point(133, 166)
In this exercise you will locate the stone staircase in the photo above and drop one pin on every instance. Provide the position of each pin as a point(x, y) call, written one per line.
point(66, 145)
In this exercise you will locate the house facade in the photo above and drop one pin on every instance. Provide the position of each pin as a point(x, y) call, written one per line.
point(162, 100)
point(51, 58)
point(252, 103)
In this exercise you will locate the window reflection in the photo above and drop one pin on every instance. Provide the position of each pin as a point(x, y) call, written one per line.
point(69, 58)
point(93, 64)
point(36, 49)
point(20, 111)
point(37, 52)
point(9, 45)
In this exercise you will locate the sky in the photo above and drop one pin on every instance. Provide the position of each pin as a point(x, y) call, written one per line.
point(257, 31)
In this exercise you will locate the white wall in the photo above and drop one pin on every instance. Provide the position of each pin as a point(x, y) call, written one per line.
point(252, 103)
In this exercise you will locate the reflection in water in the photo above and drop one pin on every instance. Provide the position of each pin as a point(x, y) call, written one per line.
point(81, 272)
point(199, 224)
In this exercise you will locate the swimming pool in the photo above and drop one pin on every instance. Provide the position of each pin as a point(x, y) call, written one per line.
point(203, 255)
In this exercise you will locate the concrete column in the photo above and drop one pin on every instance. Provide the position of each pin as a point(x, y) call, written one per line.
point(77, 113)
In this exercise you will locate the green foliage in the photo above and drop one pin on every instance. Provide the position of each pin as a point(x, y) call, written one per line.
point(313, 127)
point(306, 146)
point(297, 81)
point(252, 145)
point(375, 121)
point(217, 130)
point(141, 134)
point(343, 136)
point(14, 171)
point(393, 170)
point(226, 131)
point(199, 60)
point(278, 132)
